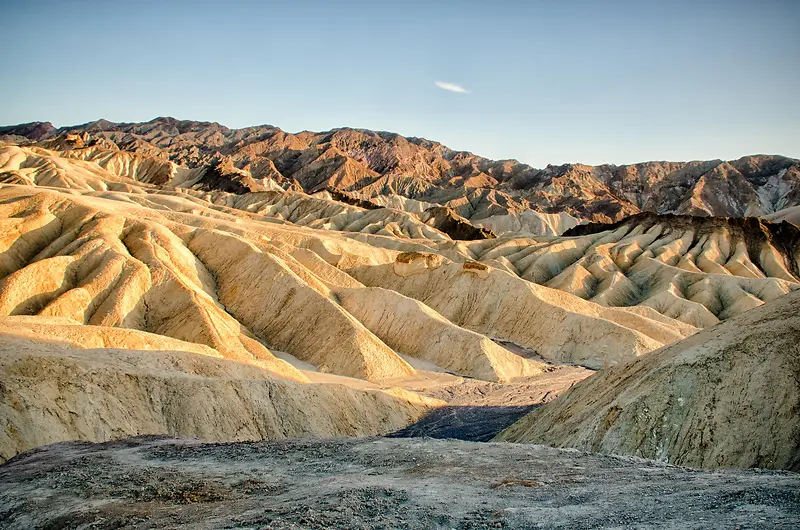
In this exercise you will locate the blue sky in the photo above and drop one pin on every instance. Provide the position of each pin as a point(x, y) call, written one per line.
point(548, 82)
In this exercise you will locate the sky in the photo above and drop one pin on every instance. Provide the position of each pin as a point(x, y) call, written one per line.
point(538, 81)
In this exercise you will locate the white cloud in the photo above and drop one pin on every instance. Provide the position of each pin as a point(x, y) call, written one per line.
point(452, 87)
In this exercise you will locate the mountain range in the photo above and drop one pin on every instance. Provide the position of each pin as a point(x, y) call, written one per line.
point(414, 174)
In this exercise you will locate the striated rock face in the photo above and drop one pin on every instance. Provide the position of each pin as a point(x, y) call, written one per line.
point(676, 272)
point(370, 165)
point(84, 261)
point(726, 397)
point(558, 326)
point(528, 223)
point(695, 270)
point(666, 275)
point(244, 287)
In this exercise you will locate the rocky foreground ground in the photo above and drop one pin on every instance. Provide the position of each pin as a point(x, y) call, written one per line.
point(377, 483)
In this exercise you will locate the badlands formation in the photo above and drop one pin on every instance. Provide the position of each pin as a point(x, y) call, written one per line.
point(185, 279)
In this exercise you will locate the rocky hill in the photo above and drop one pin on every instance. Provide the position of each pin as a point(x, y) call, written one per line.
point(706, 401)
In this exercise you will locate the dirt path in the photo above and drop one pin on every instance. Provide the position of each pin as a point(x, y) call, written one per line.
point(377, 483)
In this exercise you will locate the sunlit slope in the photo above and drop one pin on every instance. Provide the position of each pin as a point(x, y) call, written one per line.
point(55, 389)
point(218, 280)
point(665, 275)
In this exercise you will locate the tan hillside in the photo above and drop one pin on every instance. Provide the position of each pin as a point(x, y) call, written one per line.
point(698, 271)
point(228, 285)
point(728, 396)
point(54, 391)
point(666, 278)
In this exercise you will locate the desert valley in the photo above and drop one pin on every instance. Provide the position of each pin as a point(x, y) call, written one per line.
point(374, 318)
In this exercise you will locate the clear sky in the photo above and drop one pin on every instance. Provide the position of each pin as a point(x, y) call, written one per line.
point(539, 81)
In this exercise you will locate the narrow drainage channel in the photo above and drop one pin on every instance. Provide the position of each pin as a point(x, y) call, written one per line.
point(469, 423)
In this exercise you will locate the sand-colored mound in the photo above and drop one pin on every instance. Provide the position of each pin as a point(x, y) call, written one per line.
point(64, 260)
point(69, 259)
point(42, 167)
point(263, 293)
point(136, 166)
point(558, 326)
point(232, 293)
point(693, 274)
point(728, 396)
point(528, 223)
point(317, 212)
point(77, 335)
point(243, 273)
point(695, 270)
point(173, 265)
point(53, 392)
point(698, 272)
point(411, 327)
point(100, 169)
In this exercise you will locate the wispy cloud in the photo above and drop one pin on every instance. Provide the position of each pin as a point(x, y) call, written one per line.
point(452, 87)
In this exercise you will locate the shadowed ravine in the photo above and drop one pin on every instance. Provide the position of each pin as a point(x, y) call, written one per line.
point(474, 424)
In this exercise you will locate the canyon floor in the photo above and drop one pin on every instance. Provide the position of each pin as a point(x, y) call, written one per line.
point(151, 482)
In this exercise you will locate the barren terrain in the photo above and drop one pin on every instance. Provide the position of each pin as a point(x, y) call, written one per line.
point(378, 483)
point(244, 299)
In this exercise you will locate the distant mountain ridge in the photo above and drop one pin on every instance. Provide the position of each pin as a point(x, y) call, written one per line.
point(494, 194)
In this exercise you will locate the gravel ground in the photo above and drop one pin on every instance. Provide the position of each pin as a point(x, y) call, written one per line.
point(377, 483)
